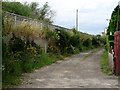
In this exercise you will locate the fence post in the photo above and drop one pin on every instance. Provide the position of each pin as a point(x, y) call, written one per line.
point(45, 48)
point(41, 25)
point(15, 19)
point(36, 23)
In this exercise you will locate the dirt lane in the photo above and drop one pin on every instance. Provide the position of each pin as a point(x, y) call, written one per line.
point(74, 72)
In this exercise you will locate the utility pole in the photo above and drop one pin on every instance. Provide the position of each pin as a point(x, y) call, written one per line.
point(77, 19)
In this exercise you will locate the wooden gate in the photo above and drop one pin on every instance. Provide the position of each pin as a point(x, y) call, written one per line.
point(117, 53)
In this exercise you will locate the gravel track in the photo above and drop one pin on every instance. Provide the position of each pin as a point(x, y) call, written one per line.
point(73, 72)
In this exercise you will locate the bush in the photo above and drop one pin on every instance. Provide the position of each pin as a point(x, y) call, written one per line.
point(16, 44)
point(17, 7)
point(12, 66)
point(63, 41)
point(75, 40)
point(11, 72)
point(87, 43)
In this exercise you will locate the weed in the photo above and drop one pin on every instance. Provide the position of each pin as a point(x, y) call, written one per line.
point(105, 64)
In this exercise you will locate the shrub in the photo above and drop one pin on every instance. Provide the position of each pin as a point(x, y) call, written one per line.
point(87, 43)
point(11, 71)
point(63, 41)
point(16, 44)
point(75, 40)
point(17, 7)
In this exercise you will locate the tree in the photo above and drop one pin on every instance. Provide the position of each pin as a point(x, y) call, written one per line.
point(31, 10)
point(113, 25)
point(34, 8)
point(45, 13)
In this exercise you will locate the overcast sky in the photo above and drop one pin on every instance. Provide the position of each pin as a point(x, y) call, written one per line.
point(92, 13)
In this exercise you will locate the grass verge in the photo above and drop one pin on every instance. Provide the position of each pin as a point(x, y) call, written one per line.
point(10, 80)
point(104, 63)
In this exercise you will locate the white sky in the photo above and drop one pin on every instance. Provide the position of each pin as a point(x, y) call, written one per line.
point(92, 13)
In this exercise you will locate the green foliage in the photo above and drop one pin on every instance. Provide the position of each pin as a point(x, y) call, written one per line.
point(87, 43)
point(16, 44)
point(75, 40)
point(20, 54)
point(11, 66)
point(70, 42)
point(115, 18)
point(95, 42)
point(63, 40)
point(106, 43)
point(113, 21)
point(10, 80)
point(52, 38)
point(32, 10)
point(16, 7)
point(11, 69)
point(104, 63)
point(45, 13)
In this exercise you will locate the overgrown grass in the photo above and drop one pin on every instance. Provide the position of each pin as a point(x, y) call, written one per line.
point(104, 63)
point(10, 81)
point(12, 76)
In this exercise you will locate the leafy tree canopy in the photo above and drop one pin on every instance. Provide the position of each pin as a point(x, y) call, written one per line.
point(32, 10)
